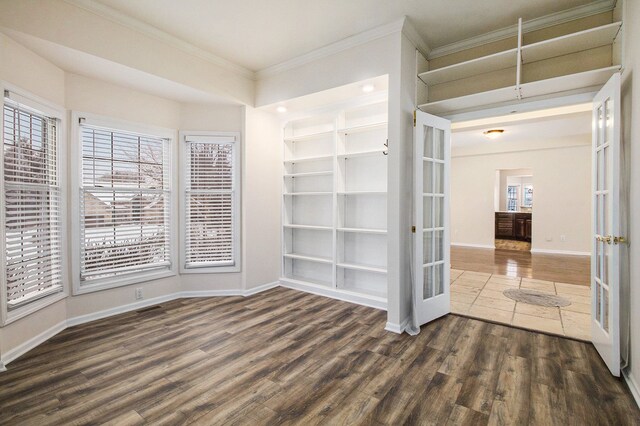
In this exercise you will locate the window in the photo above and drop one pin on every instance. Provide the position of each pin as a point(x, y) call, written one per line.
point(125, 204)
point(32, 206)
point(512, 198)
point(528, 196)
point(211, 203)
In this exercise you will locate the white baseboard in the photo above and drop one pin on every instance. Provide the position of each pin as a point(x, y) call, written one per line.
point(564, 252)
point(82, 319)
point(31, 343)
point(484, 246)
point(261, 288)
point(633, 386)
point(397, 328)
point(347, 296)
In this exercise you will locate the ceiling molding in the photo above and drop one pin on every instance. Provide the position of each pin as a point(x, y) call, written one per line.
point(120, 18)
point(410, 31)
point(333, 48)
point(527, 26)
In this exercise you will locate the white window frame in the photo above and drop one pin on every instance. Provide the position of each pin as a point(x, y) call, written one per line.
point(237, 200)
point(28, 101)
point(76, 175)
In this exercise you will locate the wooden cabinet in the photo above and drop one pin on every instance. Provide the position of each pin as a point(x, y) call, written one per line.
point(513, 226)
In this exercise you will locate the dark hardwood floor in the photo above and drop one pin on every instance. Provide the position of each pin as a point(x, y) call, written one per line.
point(286, 357)
point(549, 267)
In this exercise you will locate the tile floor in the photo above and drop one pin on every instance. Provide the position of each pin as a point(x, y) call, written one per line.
point(479, 295)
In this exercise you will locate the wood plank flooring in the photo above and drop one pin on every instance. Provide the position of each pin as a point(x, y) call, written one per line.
point(286, 357)
point(548, 267)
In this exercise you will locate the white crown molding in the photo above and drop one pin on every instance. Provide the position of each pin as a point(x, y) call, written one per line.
point(333, 48)
point(527, 26)
point(120, 18)
point(412, 34)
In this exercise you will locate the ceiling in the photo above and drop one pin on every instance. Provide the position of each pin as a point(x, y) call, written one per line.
point(257, 34)
point(524, 132)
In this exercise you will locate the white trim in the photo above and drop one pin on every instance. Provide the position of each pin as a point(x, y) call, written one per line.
point(75, 181)
point(260, 288)
point(397, 328)
point(2, 367)
point(415, 38)
point(484, 246)
point(527, 26)
point(238, 154)
point(333, 48)
point(25, 347)
point(564, 252)
point(120, 18)
point(633, 386)
point(347, 296)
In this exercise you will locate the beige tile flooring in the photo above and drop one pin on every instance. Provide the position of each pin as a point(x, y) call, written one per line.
point(479, 295)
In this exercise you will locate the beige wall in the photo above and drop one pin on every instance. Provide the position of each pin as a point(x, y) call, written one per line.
point(561, 179)
point(260, 197)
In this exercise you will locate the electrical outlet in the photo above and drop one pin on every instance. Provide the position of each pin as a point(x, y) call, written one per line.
point(138, 293)
point(563, 238)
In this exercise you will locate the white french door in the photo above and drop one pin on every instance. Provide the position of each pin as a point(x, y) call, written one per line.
point(605, 255)
point(431, 254)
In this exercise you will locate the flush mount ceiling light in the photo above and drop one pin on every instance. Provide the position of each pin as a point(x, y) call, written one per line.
point(281, 109)
point(493, 133)
point(368, 88)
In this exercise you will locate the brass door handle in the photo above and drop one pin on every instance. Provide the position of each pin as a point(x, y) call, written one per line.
point(619, 240)
point(606, 239)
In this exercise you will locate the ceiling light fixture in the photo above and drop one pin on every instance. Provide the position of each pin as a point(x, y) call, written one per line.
point(493, 133)
point(281, 109)
point(368, 88)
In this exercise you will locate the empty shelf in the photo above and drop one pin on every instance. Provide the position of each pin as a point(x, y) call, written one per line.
point(362, 154)
point(308, 258)
point(571, 43)
point(309, 174)
point(362, 268)
point(316, 227)
point(364, 230)
point(306, 193)
point(565, 83)
point(308, 159)
point(363, 128)
point(308, 137)
point(363, 193)
point(504, 94)
point(471, 68)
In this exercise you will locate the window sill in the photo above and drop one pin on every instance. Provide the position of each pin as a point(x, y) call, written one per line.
point(110, 283)
point(33, 307)
point(210, 270)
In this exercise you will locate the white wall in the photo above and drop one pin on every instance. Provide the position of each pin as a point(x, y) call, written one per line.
point(562, 202)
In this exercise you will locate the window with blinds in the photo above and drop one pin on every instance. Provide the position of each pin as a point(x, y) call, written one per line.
point(210, 201)
point(124, 204)
point(32, 206)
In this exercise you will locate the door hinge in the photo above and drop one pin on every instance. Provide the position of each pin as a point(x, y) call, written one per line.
point(414, 117)
point(413, 229)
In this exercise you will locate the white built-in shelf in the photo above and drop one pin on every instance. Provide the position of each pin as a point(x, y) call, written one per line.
point(361, 154)
point(471, 68)
point(593, 78)
point(308, 258)
point(363, 128)
point(362, 193)
point(496, 96)
point(306, 193)
point(309, 159)
point(308, 174)
point(571, 43)
point(312, 227)
point(364, 230)
point(308, 137)
point(305, 281)
point(362, 268)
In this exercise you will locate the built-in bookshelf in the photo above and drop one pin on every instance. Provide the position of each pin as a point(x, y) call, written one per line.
point(335, 204)
point(572, 62)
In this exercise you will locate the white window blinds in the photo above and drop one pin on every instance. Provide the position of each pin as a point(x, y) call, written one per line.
point(124, 203)
point(32, 210)
point(210, 201)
